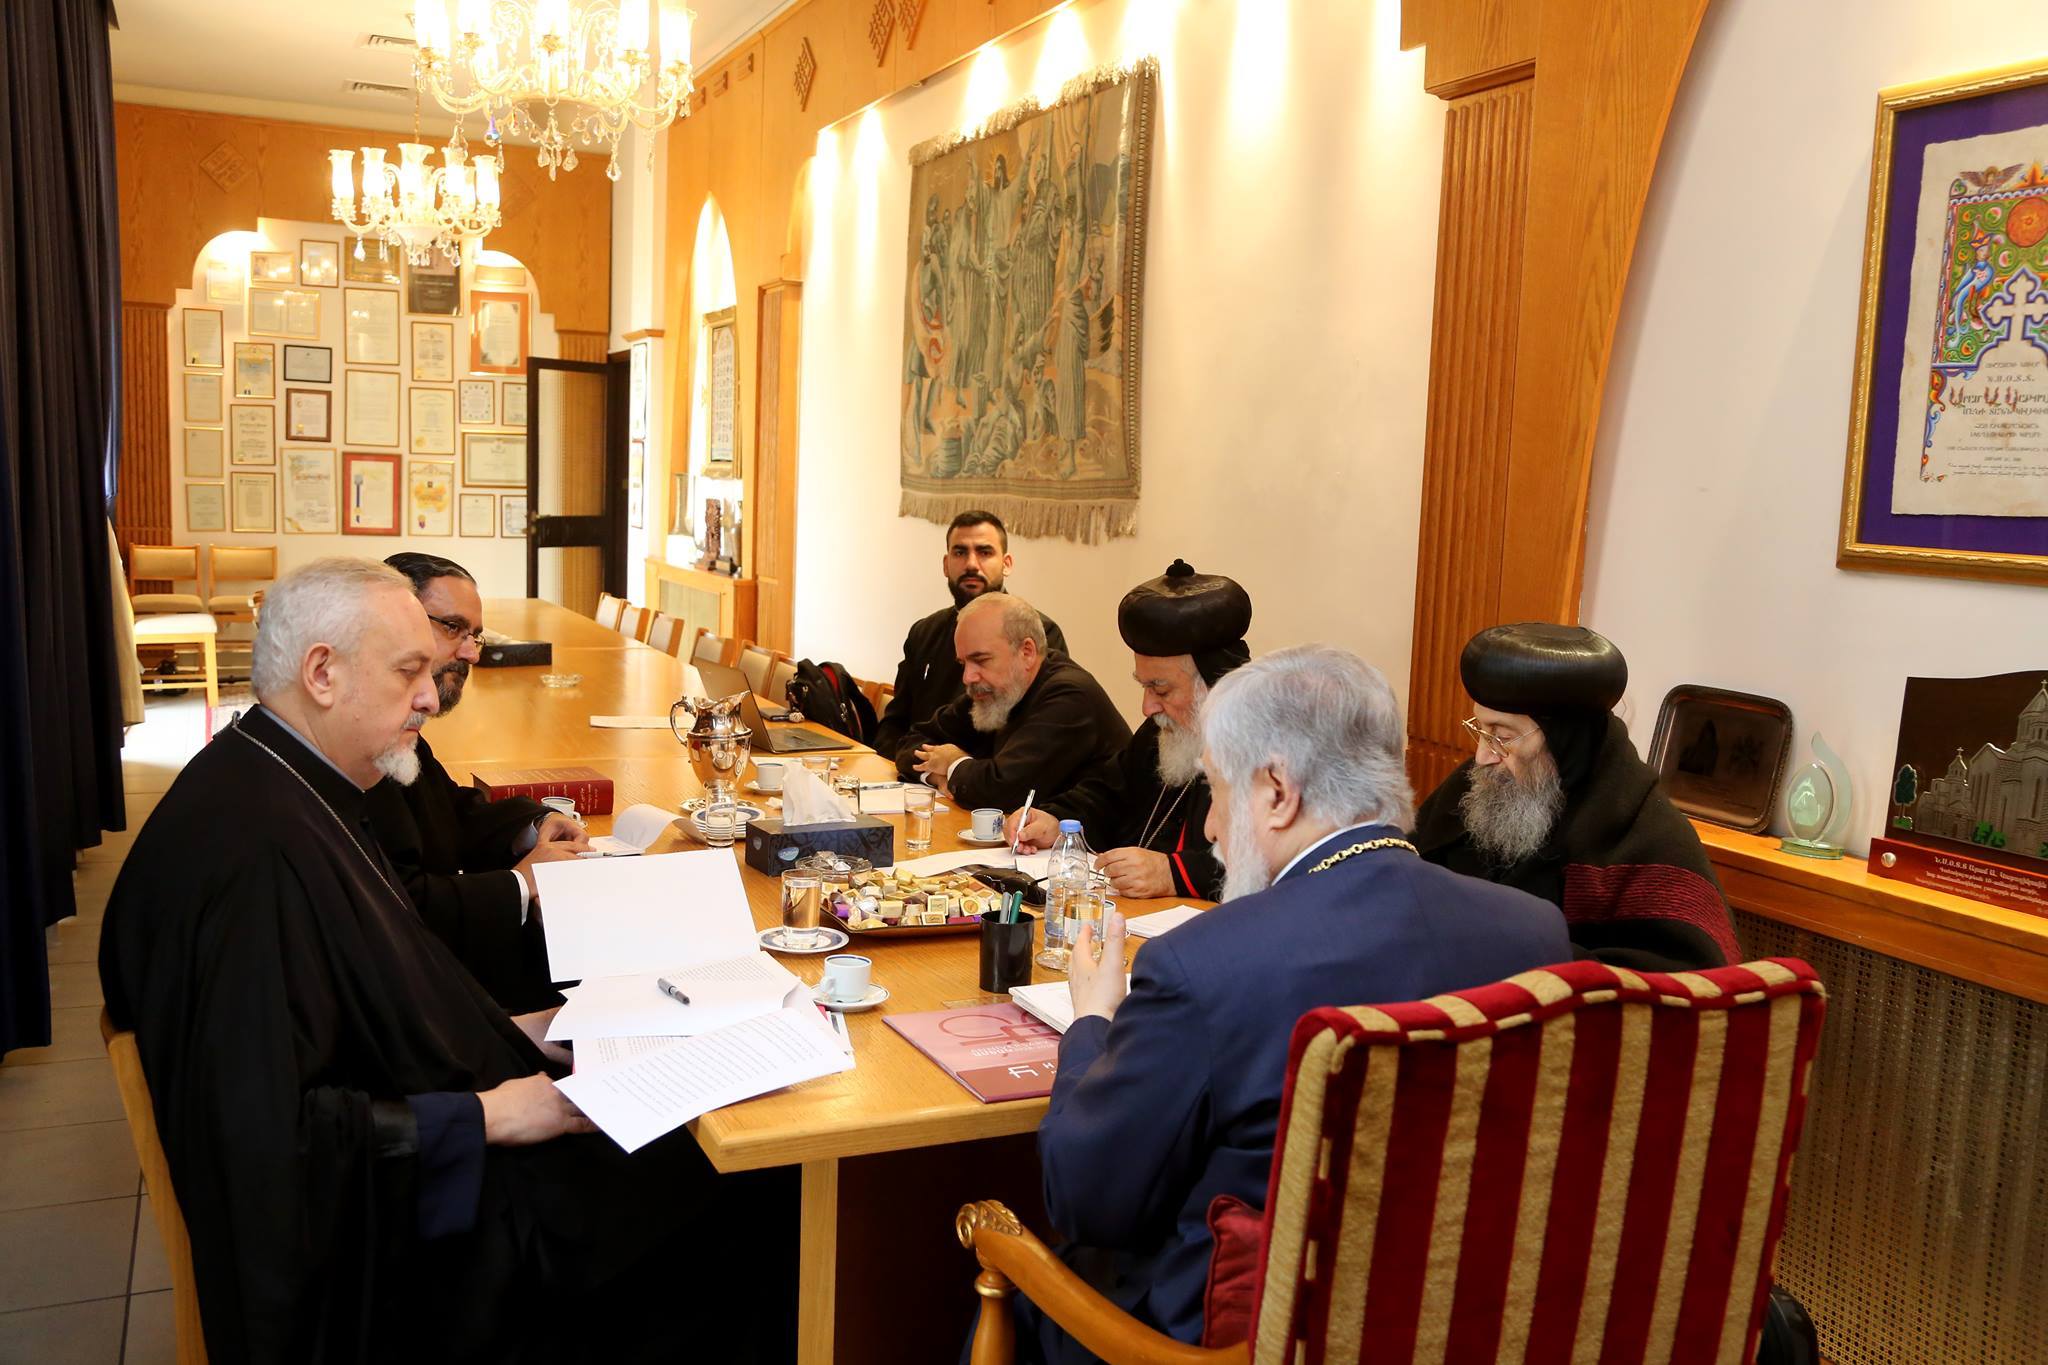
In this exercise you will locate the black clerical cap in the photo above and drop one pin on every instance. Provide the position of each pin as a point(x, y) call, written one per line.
point(1538, 669)
point(1184, 612)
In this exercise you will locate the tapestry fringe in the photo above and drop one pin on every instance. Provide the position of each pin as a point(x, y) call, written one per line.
point(1008, 117)
point(1091, 522)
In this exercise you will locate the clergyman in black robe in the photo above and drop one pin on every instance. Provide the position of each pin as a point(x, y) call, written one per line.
point(370, 1157)
point(1146, 813)
point(1557, 803)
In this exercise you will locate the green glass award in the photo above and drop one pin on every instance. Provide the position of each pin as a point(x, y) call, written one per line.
point(1817, 802)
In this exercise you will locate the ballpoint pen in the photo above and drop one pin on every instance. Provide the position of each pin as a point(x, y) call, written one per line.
point(668, 989)
point(1023, 816)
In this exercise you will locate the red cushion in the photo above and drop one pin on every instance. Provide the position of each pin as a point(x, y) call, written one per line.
point(1235, 1264)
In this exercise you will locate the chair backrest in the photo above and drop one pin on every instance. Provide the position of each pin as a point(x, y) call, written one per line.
point(633, 622)
point(241, 564)
point(609, 609)
point(156, 1172)
point(778, 680)
point(755, 661)
point(1582, 1161)
point(665, 633)
point(709, 649)
point(178, 563)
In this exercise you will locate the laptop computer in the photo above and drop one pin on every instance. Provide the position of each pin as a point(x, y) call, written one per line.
point(721, 681)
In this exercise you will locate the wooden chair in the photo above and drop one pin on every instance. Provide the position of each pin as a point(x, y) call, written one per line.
point(179, 564)
point(182, 628)
point(778, 680)
point(884, 694)
point(609, 609)
point(665, 633)
point(238, 564)
point(633, 622)
point(708, 648)
point(756, 661)
point(156, 1175)
point(1575, 1163)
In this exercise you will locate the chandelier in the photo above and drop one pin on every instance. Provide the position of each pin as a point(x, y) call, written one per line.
point(413, 205)
point(529, 65)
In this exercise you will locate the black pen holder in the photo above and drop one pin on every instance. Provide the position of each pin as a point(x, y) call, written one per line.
point(1005, 952)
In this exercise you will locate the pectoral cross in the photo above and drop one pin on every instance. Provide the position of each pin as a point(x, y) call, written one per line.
point(2022, 302)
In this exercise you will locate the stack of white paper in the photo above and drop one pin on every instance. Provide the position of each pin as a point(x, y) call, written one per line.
point(1050, 1001)
point(1159, 921)
point(633, 832)
point(629, 916)
point(721, 994)
point(1031, 864)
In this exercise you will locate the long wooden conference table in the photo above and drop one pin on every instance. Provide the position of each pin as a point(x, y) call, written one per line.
point(888, 1150)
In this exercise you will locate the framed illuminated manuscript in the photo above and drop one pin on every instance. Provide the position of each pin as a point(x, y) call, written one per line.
point(1947, 469)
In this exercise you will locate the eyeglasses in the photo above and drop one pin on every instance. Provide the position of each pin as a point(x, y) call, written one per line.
point(1488, 739)
point(454, 627)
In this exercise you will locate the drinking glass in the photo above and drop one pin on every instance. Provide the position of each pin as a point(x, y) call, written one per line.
point(917, 818)
point(721, 823)
point(801, 903)
point(818, 766)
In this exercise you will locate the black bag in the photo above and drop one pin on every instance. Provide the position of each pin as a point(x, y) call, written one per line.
point(827, 694)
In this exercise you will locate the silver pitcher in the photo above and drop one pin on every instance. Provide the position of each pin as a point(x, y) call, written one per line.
point(718, 743)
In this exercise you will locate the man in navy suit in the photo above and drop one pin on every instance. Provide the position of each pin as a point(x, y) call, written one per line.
point(1169, 1095)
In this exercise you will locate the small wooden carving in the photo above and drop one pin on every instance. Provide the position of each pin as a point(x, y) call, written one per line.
point(806, 74)
point(225, 166)
point(909, 14)
point(881, 24)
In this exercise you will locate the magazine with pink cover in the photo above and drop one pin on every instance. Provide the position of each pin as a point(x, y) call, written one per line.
point(997, 1051)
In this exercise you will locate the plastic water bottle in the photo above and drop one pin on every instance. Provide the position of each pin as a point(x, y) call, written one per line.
point(1068, 870)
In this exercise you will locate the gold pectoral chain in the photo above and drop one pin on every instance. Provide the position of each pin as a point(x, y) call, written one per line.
point(1368, 846)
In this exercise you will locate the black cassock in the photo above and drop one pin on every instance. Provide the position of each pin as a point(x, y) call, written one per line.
point(313, 1053)
point(1125, 804)
point(1060, 730)
point(454, 850)
point(929, 676)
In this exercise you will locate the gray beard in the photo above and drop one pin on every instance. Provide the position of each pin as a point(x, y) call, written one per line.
point(1241, 877)
point(1180, 754)
point(1509, 818)
point(448, 684)
point(401, 764)
point(992, 712)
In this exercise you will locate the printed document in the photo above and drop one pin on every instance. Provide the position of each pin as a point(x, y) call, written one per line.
point(629, 916)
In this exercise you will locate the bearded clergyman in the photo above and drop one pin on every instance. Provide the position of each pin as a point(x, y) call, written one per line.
point(1556, 802)
point(1031, 719)
point(1146, 811)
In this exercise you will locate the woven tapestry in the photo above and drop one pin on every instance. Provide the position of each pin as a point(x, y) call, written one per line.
point(1020, 331)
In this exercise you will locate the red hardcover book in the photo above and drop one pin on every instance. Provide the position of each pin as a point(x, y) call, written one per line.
point(997, 1051)
point(590, 789)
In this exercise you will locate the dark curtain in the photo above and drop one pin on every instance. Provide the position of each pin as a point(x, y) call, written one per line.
point(60, 315)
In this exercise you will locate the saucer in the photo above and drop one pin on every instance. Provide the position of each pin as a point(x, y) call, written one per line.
point(835, 939)
point(968, 836)
point(875, 996)
point(757, 789)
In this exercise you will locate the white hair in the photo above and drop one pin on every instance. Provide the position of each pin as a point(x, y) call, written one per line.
point(325, 602)
point(1324, 718)
point(1020, 619)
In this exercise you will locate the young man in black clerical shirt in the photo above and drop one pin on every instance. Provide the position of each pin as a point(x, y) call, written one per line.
point(977, 561)
point(1029, 718)
point(468, 862)
point(371, 1156)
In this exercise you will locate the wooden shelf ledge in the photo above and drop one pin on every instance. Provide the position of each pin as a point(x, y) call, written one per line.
point(2005, 950)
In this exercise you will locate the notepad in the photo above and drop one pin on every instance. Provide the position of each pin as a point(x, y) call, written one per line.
point(1031, 864)
point(1159, 921)
point(1050, 1001)
point(623, 916)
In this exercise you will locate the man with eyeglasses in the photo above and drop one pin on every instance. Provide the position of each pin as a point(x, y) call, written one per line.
point(1556, 802)
point(467, 862)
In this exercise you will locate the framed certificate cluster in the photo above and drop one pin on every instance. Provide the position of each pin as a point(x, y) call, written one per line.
point(430, 497)
point(494, 459)
point(497, 333)
point(309, 503)
point(369, 326)
point(369, 489)
point(284, 313)
point(252, 434)
point(253, 501)
point(308, 415)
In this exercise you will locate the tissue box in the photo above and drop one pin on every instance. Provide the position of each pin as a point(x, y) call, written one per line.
point(772, 850)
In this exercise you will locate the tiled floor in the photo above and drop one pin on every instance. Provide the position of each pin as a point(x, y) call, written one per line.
point(82, 1272)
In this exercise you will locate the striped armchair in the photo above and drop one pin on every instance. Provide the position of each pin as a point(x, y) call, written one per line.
point(1579, 1163)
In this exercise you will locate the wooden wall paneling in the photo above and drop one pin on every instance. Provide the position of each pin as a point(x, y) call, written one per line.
point(142, 492)
point(775, 462)
point(1492, 41)
point(1471, 393)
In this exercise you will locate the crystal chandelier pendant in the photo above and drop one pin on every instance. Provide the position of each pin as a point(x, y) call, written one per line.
point(414, 206)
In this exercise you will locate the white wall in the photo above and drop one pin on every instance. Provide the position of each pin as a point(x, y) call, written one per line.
point(498, 563)
point(1718, 479)
point(1287, 303)
point(639, 226)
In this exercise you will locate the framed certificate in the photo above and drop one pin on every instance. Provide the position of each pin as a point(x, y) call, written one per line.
point(497, 333)
point(493, 459)
point(202, 338)
point(369, 261)
point(277, 312)
point(253, 498)
point(514, 404)
point(308, 415)
point(433, 289)
point(369, 490)
point(271, 267)
point(430, 497)
point(479, 402)
point(202, 398)
point(309, 364)
point(223, 282)
point(255, 369)
point(512, 516)
point(433, 352)
point(309, 493)
point(203, 452)
point(252, 434)
point(430, 426)
point(369, 408)
point(319, 265)
point(478, 515)
point(370, 326)
point(206, 507)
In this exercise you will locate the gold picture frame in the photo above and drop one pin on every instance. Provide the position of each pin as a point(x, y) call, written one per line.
point(1874, 535)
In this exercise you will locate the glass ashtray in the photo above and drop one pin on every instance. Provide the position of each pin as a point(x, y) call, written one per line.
point(560, 679)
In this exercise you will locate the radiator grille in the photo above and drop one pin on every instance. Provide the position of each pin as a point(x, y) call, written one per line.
point(1918, 1227)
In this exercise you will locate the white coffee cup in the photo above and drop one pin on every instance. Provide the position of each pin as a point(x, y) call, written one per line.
point(768, 774)
point(846, 977)
point(988, 823)
point(561, 805)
